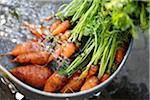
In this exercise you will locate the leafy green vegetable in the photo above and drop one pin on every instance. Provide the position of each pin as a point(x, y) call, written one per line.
point(143, 18)
point(109, 24)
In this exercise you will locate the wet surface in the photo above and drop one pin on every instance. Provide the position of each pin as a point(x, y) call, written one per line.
point(132, 83)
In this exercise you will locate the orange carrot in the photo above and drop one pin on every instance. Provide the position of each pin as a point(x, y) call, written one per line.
point(77, 46)
point(34, 75)
point(26, 47)
point(74, 84)
point(55, 82)
point(40, 58)
point(68, 49)
point(92, 71)
point(47, 18)
point(55, 25)
point(37, 31)
point(57, 52)
point(119, 54)
point(61, 27)
point(90, 83)
point(65, 36)
point(104, 77)
point(34, 40)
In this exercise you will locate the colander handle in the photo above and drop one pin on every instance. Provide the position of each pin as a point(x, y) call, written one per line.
point(12, 88)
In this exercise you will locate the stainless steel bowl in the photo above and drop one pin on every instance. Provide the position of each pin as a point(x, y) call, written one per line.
point(36, 94)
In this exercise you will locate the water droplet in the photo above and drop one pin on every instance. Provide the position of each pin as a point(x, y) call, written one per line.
point(14, 40)
point(3, 21)
point(2, 33)
point(6, 34)
point(2, 16)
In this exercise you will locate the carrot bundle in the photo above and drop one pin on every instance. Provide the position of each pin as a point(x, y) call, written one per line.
point(100, 27)
point(59, 81)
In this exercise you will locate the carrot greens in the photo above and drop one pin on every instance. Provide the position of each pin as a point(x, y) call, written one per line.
point(108, 23)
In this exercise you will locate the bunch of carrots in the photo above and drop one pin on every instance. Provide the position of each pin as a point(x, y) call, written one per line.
point(95, 40)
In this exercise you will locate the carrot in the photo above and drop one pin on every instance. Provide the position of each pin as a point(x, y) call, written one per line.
point(74, 84)
point(90, 83)
point(54, 25)
point(34, 32)
point(65, 36)
point(61, 28)
point(34, 40)
point(34, 75)
point(92, 71)
point(77, 46)
point(57, 52)
point(55, 82)
point(68, 49)
point(32, 58)
point(37, 31)
point(47, 18)
point(119, 54)
point(104, 77)
point(25, 47)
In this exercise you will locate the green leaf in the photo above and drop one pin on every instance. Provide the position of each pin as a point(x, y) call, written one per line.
point(143, 18)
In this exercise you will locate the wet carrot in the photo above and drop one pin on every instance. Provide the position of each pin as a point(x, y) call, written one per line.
point(90, 83)
point(77, 46)
point(54, 25)
point(47, 18)
point(104, 77)
point(34, 40)
point(61, 27)
point(40, 58)
point(92, 71)
point(25, 47)
point(74, 84)
point(34, 75)
point(55, 82)
point(68, 49)
point(57, 52)
point(37, 31)
point(65, 36)
point(119, 54)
